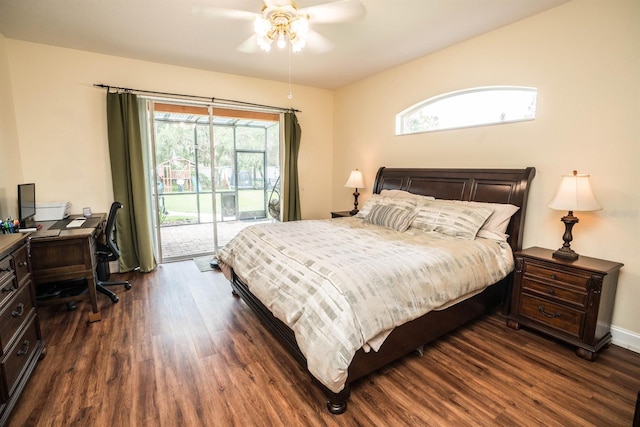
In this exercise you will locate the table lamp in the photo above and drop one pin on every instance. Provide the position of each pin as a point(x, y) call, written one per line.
point(574, 194)
point(356, 180)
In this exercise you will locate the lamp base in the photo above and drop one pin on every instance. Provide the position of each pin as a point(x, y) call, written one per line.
point(565, 253)
point(353, 212)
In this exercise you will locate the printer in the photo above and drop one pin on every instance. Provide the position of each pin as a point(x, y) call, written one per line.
point(52, 211)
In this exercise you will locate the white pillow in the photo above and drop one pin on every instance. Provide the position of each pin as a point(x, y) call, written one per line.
point(496, 225)
point(455, 220)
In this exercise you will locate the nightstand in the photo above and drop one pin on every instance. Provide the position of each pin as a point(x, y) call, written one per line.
point(340, 214)
point(569, 300)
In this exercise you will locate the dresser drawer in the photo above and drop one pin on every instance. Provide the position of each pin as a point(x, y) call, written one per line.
point(21, 264)
point(554, 315)
point(579, 279)
point(8, 286)
point(15, 362)
point(13, 314)
point(556, 291)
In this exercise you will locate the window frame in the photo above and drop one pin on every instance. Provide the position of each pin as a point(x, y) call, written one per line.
point(402, 117)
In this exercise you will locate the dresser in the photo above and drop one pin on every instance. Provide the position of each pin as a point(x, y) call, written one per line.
point(569, 300)
point(21, 342)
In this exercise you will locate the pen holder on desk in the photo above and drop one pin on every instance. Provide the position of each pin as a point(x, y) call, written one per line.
point(9, 226)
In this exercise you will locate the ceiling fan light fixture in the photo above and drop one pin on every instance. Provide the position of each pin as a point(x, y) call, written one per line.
point(281, 23)
point(281, 41)
point(297, 44)
point(300, 26)
point(261, 26)
point(265, 43)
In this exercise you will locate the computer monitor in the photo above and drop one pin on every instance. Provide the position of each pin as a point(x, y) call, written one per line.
point(26, 203)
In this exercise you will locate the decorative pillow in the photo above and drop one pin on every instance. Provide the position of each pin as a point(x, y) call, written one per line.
point(389, 216)
point(401, 194)
point(496, 225)
point(377, 199)
point(455, 220)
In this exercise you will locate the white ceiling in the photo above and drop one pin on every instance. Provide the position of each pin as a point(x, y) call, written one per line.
point(177, 32)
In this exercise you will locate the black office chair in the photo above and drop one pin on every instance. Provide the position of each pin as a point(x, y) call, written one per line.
point(108, 252)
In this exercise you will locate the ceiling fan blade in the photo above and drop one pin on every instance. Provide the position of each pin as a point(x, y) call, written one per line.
point(222, 12)
point(318, 43)
point(250, 45)
point(337, 11)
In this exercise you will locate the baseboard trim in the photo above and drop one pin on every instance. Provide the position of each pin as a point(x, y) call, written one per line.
point(625, 339)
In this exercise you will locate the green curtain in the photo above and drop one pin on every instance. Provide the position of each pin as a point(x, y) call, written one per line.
point(290, 187)
point(129, 183)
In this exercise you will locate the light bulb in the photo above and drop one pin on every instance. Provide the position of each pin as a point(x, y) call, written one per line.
point(297, 44)
point(261, 26)
point(281, 41)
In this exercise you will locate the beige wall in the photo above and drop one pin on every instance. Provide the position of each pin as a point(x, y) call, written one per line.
point(583, 58)
point(10, 165)
point(61, 118)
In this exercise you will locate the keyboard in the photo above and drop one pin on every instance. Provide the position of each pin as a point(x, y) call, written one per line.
point(78, 222)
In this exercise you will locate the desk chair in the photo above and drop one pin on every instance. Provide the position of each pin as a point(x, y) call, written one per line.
point(108, 252)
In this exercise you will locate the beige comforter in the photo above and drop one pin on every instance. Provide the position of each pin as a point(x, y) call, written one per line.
point(342, 284)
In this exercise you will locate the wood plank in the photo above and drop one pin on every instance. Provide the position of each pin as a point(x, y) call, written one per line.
point(179, 349)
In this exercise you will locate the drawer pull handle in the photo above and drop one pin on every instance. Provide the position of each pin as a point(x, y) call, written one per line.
point(19, 311)
point(9, 289)
point(550, 291)
point(22, 264)
point(25, 348)
point(550, 315)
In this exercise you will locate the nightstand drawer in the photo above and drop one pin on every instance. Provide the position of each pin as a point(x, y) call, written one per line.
point(557, 316)
point(555, 291)
point(16, 359)
point(580, 279)
point(13, 314)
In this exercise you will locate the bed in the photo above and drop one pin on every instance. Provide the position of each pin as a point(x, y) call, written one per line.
point(256, 263)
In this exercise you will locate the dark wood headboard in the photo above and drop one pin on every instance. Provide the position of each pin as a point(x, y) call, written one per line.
point(480, 185)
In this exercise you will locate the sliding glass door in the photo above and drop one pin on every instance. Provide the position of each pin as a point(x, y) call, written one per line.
point(210, 167)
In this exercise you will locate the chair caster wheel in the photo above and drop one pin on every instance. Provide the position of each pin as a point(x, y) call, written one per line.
point(71, 306)
point(127, 286)
point(114, 299)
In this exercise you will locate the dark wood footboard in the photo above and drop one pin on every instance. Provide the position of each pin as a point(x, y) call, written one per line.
point(403, 340)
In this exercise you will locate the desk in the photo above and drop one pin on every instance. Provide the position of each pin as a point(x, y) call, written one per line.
point(70, 255)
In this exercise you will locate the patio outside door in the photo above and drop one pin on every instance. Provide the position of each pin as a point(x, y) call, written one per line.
point(251, 167)
point(205, 193)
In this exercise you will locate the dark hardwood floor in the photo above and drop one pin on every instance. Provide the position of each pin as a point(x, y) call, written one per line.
point(180, 350)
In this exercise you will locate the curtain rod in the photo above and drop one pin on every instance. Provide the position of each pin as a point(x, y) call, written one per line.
point(195, 97)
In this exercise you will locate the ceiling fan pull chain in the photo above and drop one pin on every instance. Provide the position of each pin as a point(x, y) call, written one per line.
point(290, 95)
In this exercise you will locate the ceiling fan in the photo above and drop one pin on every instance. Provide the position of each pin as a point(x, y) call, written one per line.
point(284, 22)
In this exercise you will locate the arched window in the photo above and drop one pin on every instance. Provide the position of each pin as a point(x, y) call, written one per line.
point(470, 107)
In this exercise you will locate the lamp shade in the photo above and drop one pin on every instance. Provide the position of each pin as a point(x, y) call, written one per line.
point(575, 194)
point(356, 180)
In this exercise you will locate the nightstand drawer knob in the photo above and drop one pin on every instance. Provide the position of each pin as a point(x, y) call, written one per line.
point(553, 277)
point(550, 315)
point(550, 291)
